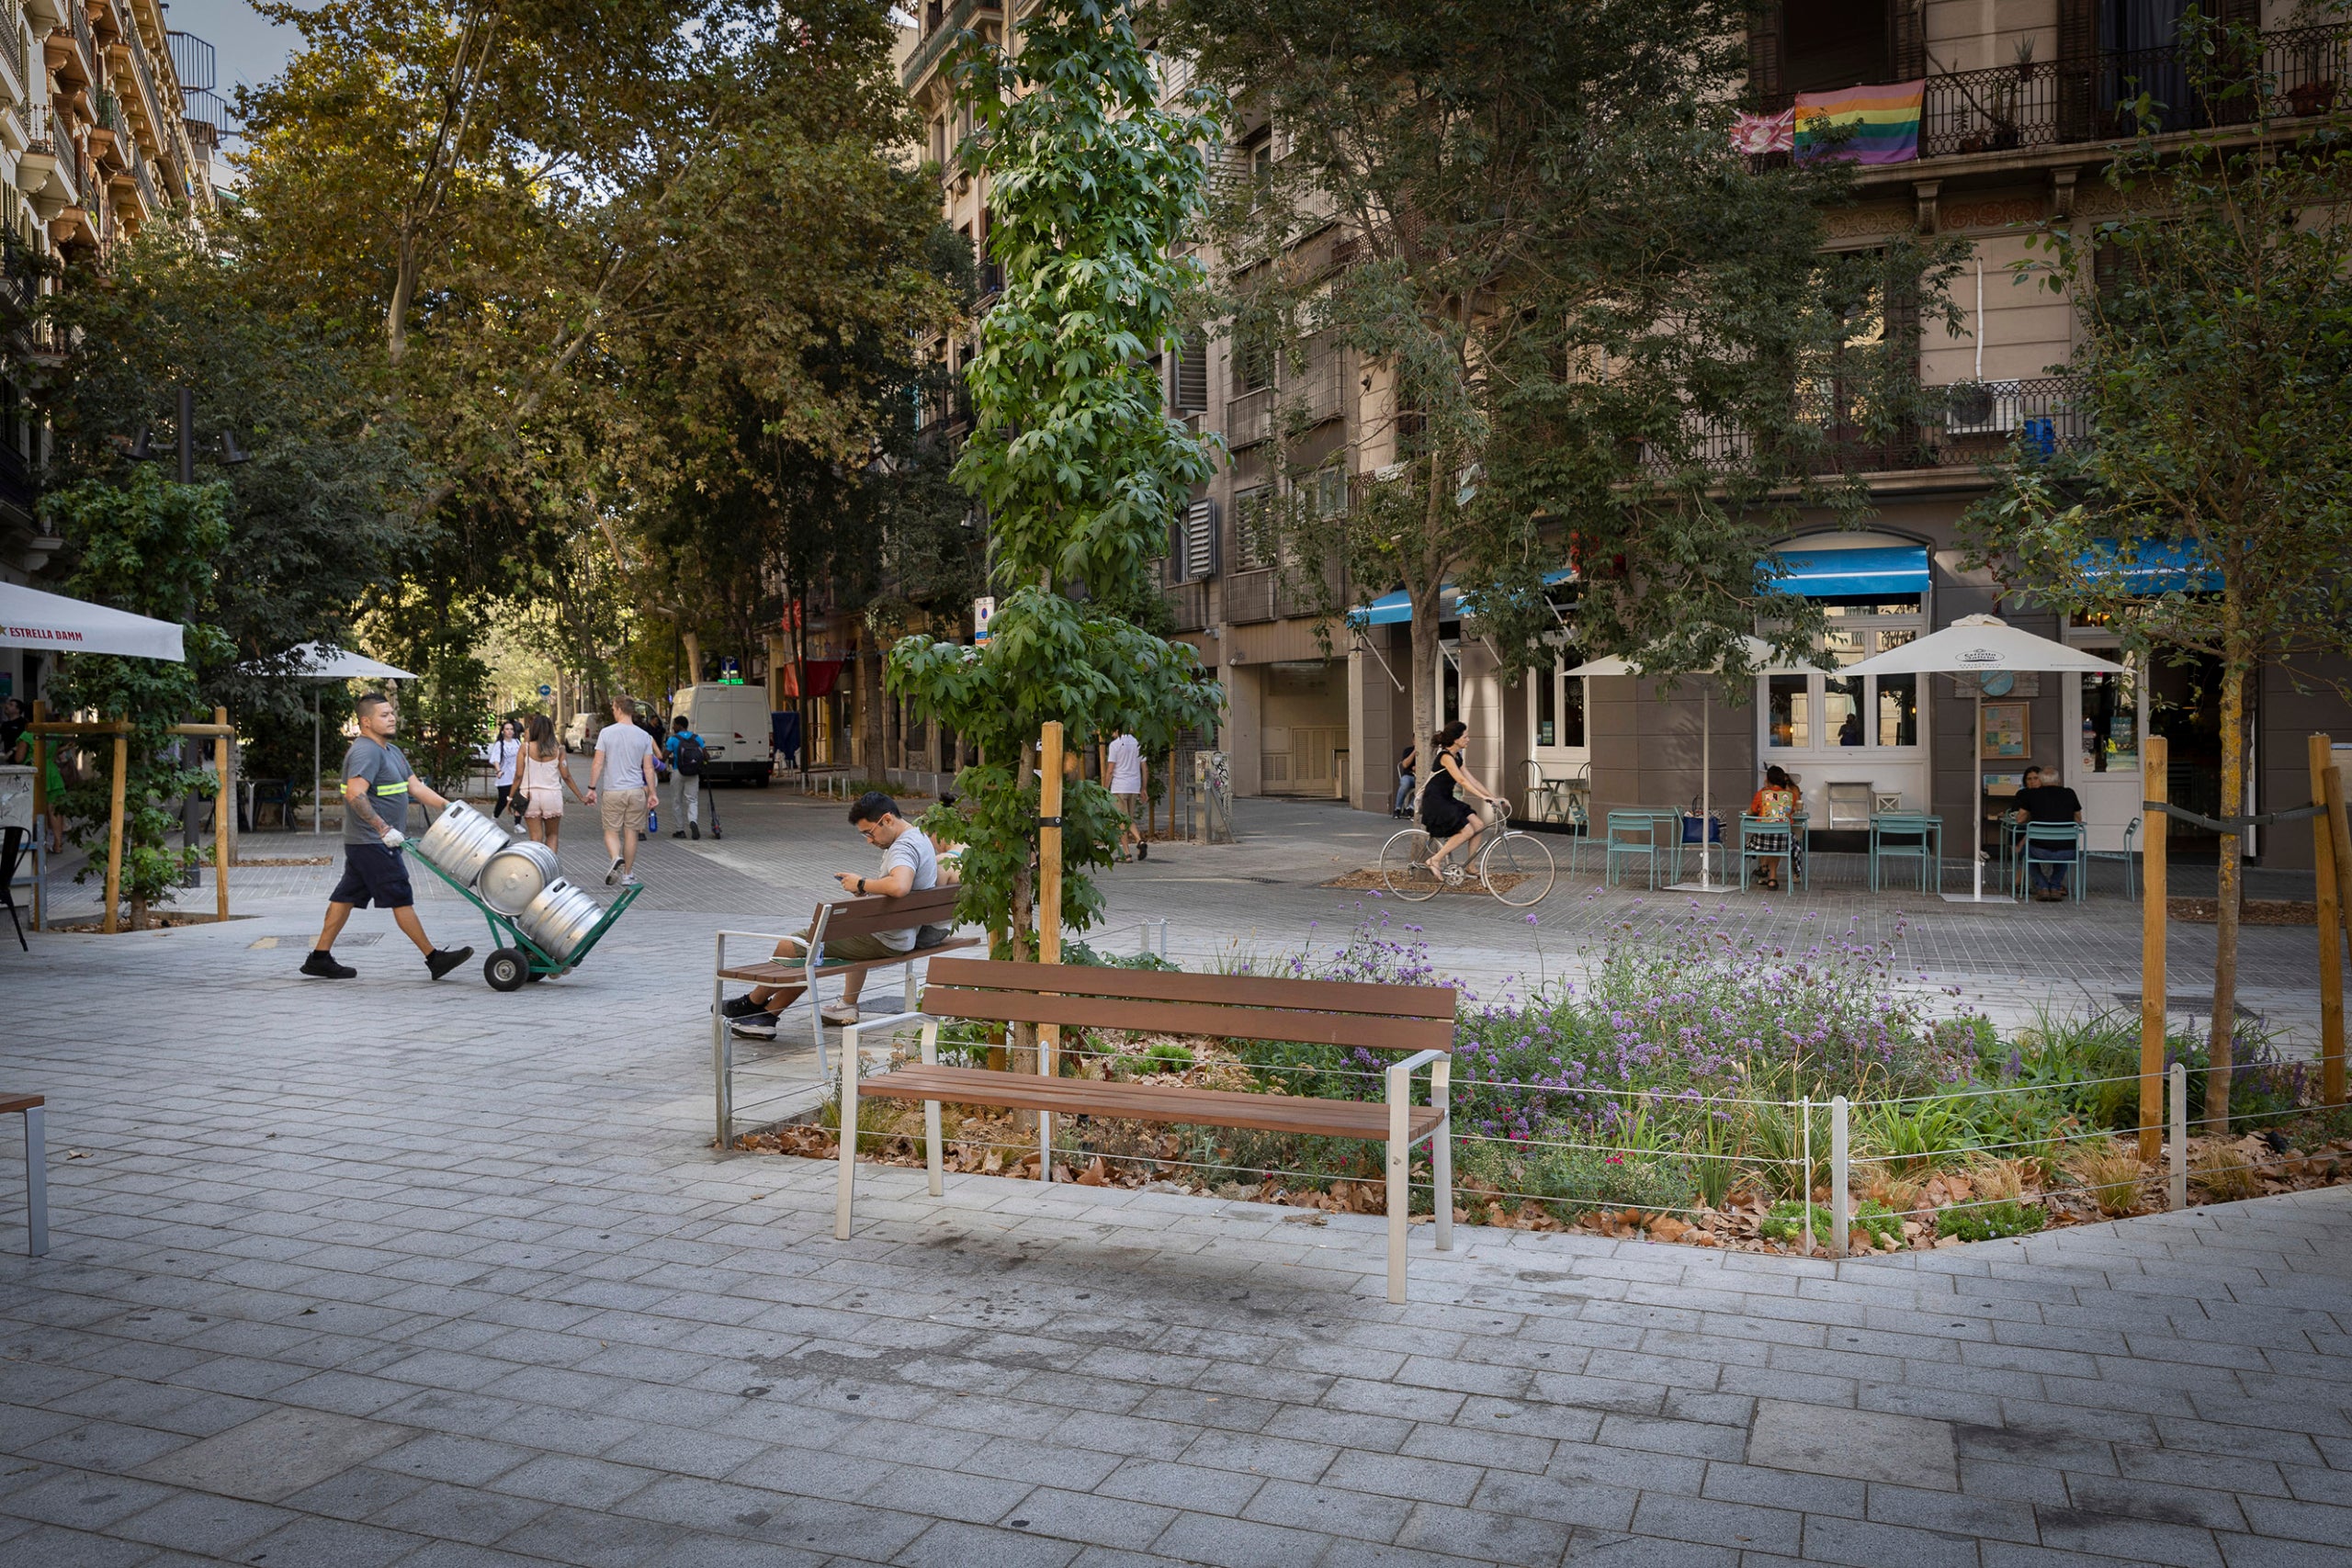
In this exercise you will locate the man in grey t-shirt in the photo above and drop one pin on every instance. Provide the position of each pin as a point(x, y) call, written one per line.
point(377, 785)
point(909, 865)
point(620, 785)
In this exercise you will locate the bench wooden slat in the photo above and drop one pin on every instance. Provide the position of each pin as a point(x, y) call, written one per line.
point(1145, 1102)
point(12, 1102)
point(1185, 1018)
point(778, 972)
point(1170, 985)
point(873, 916)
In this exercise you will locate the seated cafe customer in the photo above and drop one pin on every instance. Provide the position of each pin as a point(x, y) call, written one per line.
point(2043, 799)
point(909, 865)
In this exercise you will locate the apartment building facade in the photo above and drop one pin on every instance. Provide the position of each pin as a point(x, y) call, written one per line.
point(95, 141)
point(2020, 103)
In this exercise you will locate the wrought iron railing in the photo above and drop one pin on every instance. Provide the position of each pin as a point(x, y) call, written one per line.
point(940, 37)
point(1962, 426)
point(79, 20)
point(2299, 72)
point(12, 38)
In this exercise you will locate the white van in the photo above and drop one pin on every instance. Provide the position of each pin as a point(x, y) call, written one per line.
point(735, 729)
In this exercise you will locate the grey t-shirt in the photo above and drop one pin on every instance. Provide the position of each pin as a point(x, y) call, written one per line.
point(911, 849)
point(623, 748)
point(387, 773)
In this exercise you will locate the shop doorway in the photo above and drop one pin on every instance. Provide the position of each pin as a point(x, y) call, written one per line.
point(2185, 707)
point(2103, 717)
point(1303, 727)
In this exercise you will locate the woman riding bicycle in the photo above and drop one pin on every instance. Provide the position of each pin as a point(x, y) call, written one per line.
point(1444, 812)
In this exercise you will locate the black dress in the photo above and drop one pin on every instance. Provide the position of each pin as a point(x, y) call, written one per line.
point(1442, 813)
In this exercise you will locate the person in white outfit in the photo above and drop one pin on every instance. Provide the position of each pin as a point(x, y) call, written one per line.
point(503, 752)
point(1127, 786)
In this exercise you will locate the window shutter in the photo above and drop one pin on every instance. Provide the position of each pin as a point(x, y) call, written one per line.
point(2078, 66)
point(1764, 29)
point(1200, 541)
point(1907, 40)
point(1192, 382)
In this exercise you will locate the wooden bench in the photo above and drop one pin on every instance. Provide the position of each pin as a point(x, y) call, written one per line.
point(30, 1107)
point(1416, 1021)
point(842, 918)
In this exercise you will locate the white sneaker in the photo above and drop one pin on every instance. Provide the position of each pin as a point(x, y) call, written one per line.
point(838, 1012)
point(630, 880)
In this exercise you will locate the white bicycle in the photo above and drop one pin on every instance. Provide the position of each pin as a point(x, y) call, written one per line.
point(1514, 866)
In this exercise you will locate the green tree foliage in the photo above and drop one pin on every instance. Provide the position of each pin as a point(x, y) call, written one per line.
point(578, 234)
point(2209, 514)
point(1601, 338)
point(149, 546)
point(1079, 466)
point(318, 518)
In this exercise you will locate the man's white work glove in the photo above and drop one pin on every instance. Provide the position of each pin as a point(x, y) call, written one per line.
point(393, 838)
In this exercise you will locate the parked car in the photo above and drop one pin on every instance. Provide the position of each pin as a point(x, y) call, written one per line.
point(736, 730)
point(579, 735)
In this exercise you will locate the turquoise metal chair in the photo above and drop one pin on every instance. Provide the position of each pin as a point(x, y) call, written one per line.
point(2129, 854)
point(1641, 836)
point(1764, 841)
point(2071, 837)
point(1907, 835)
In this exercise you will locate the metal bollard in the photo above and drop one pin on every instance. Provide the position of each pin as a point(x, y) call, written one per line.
point(1804, 1177)
point(1837, 1228)
point(2179, 1193)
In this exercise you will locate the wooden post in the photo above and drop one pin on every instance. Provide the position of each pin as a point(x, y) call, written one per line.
point(2339, 836)
point(1049, 921)
point(2155, 831)
point(224, 807)
point(114, 834)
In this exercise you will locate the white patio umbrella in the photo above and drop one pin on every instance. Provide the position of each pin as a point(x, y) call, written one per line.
point(1760, 662)
point(1981, 646)
point(29, 618)
point(324, 661)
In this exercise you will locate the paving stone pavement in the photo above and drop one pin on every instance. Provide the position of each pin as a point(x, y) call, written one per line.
point(384, 1272)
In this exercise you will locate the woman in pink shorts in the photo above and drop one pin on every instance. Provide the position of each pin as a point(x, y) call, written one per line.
point(545, 775)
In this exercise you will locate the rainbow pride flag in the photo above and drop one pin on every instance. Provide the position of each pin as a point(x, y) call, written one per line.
point(1884, 121)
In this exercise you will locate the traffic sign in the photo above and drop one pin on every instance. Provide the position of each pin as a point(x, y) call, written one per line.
point(545, 690)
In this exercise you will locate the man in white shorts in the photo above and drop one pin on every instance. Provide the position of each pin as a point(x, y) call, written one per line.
point(619, 786)
point(909, 865)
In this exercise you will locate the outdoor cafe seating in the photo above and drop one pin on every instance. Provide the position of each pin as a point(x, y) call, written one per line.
point(1913, 836)
point(1763, 841)
point(1653, 840)
point(2070, 847)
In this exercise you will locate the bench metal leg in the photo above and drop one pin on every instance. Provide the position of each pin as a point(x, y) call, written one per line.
point(931, 1151)
point(722, 1052)
point(1400, 1154)
point(1441, 1151)
point(848, 1182)
point(36, 1181)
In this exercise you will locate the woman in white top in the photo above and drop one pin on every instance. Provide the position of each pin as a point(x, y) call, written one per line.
point(503, 752)
point(545, 775)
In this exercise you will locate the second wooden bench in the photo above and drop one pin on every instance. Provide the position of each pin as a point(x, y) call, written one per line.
point(1416, 1022)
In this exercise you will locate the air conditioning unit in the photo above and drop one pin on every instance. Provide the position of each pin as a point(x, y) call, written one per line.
point(1981, 408)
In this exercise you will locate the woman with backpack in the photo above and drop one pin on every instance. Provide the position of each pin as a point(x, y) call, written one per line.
point(544, 774)
point(689, 756)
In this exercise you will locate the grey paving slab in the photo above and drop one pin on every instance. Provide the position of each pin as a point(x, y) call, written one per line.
point(396, 1273)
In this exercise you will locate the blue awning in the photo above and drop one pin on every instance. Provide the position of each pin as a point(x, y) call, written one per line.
point(1393, 609)
point(2152, 566)
point(1870, 569)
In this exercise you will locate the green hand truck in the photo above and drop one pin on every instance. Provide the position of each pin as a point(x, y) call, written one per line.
point(514, 958)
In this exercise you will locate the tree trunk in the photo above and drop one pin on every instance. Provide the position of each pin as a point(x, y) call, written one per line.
point(2227, 885)
point(693, 641)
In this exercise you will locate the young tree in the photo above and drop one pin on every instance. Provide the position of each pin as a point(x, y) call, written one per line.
point(1601, 337)
point(150, 546)
point(1073, 455)
point(2210, 515)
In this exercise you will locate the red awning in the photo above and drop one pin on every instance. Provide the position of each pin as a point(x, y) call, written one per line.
point(822, 675)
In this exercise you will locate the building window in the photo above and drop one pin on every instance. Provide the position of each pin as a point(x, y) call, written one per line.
point(1559, 709)
point(1842, 713)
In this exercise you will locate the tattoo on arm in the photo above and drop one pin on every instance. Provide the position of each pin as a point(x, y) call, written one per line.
point(359, 806)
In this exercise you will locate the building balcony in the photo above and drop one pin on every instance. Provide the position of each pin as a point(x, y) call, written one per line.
point(942, 26)
point(1249, 418)
point(1969, 425)
point(49, 172)
point(1187, 604)
point(12, 52)
point(2041, 103)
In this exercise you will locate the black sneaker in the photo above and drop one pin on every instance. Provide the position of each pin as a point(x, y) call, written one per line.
point(321, 964)
point(755, 1026)
point(1143, 851)
point(695, 830)
point(441, 960)
point(678, 833)
point(740, 1007)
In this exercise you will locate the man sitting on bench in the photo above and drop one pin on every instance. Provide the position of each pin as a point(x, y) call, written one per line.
point(909, 865)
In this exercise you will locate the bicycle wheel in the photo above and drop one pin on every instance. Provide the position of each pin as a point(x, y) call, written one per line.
point(1517, 868)
point(1402, 867)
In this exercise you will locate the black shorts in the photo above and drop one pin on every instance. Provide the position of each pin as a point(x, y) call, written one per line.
point(373, 874)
